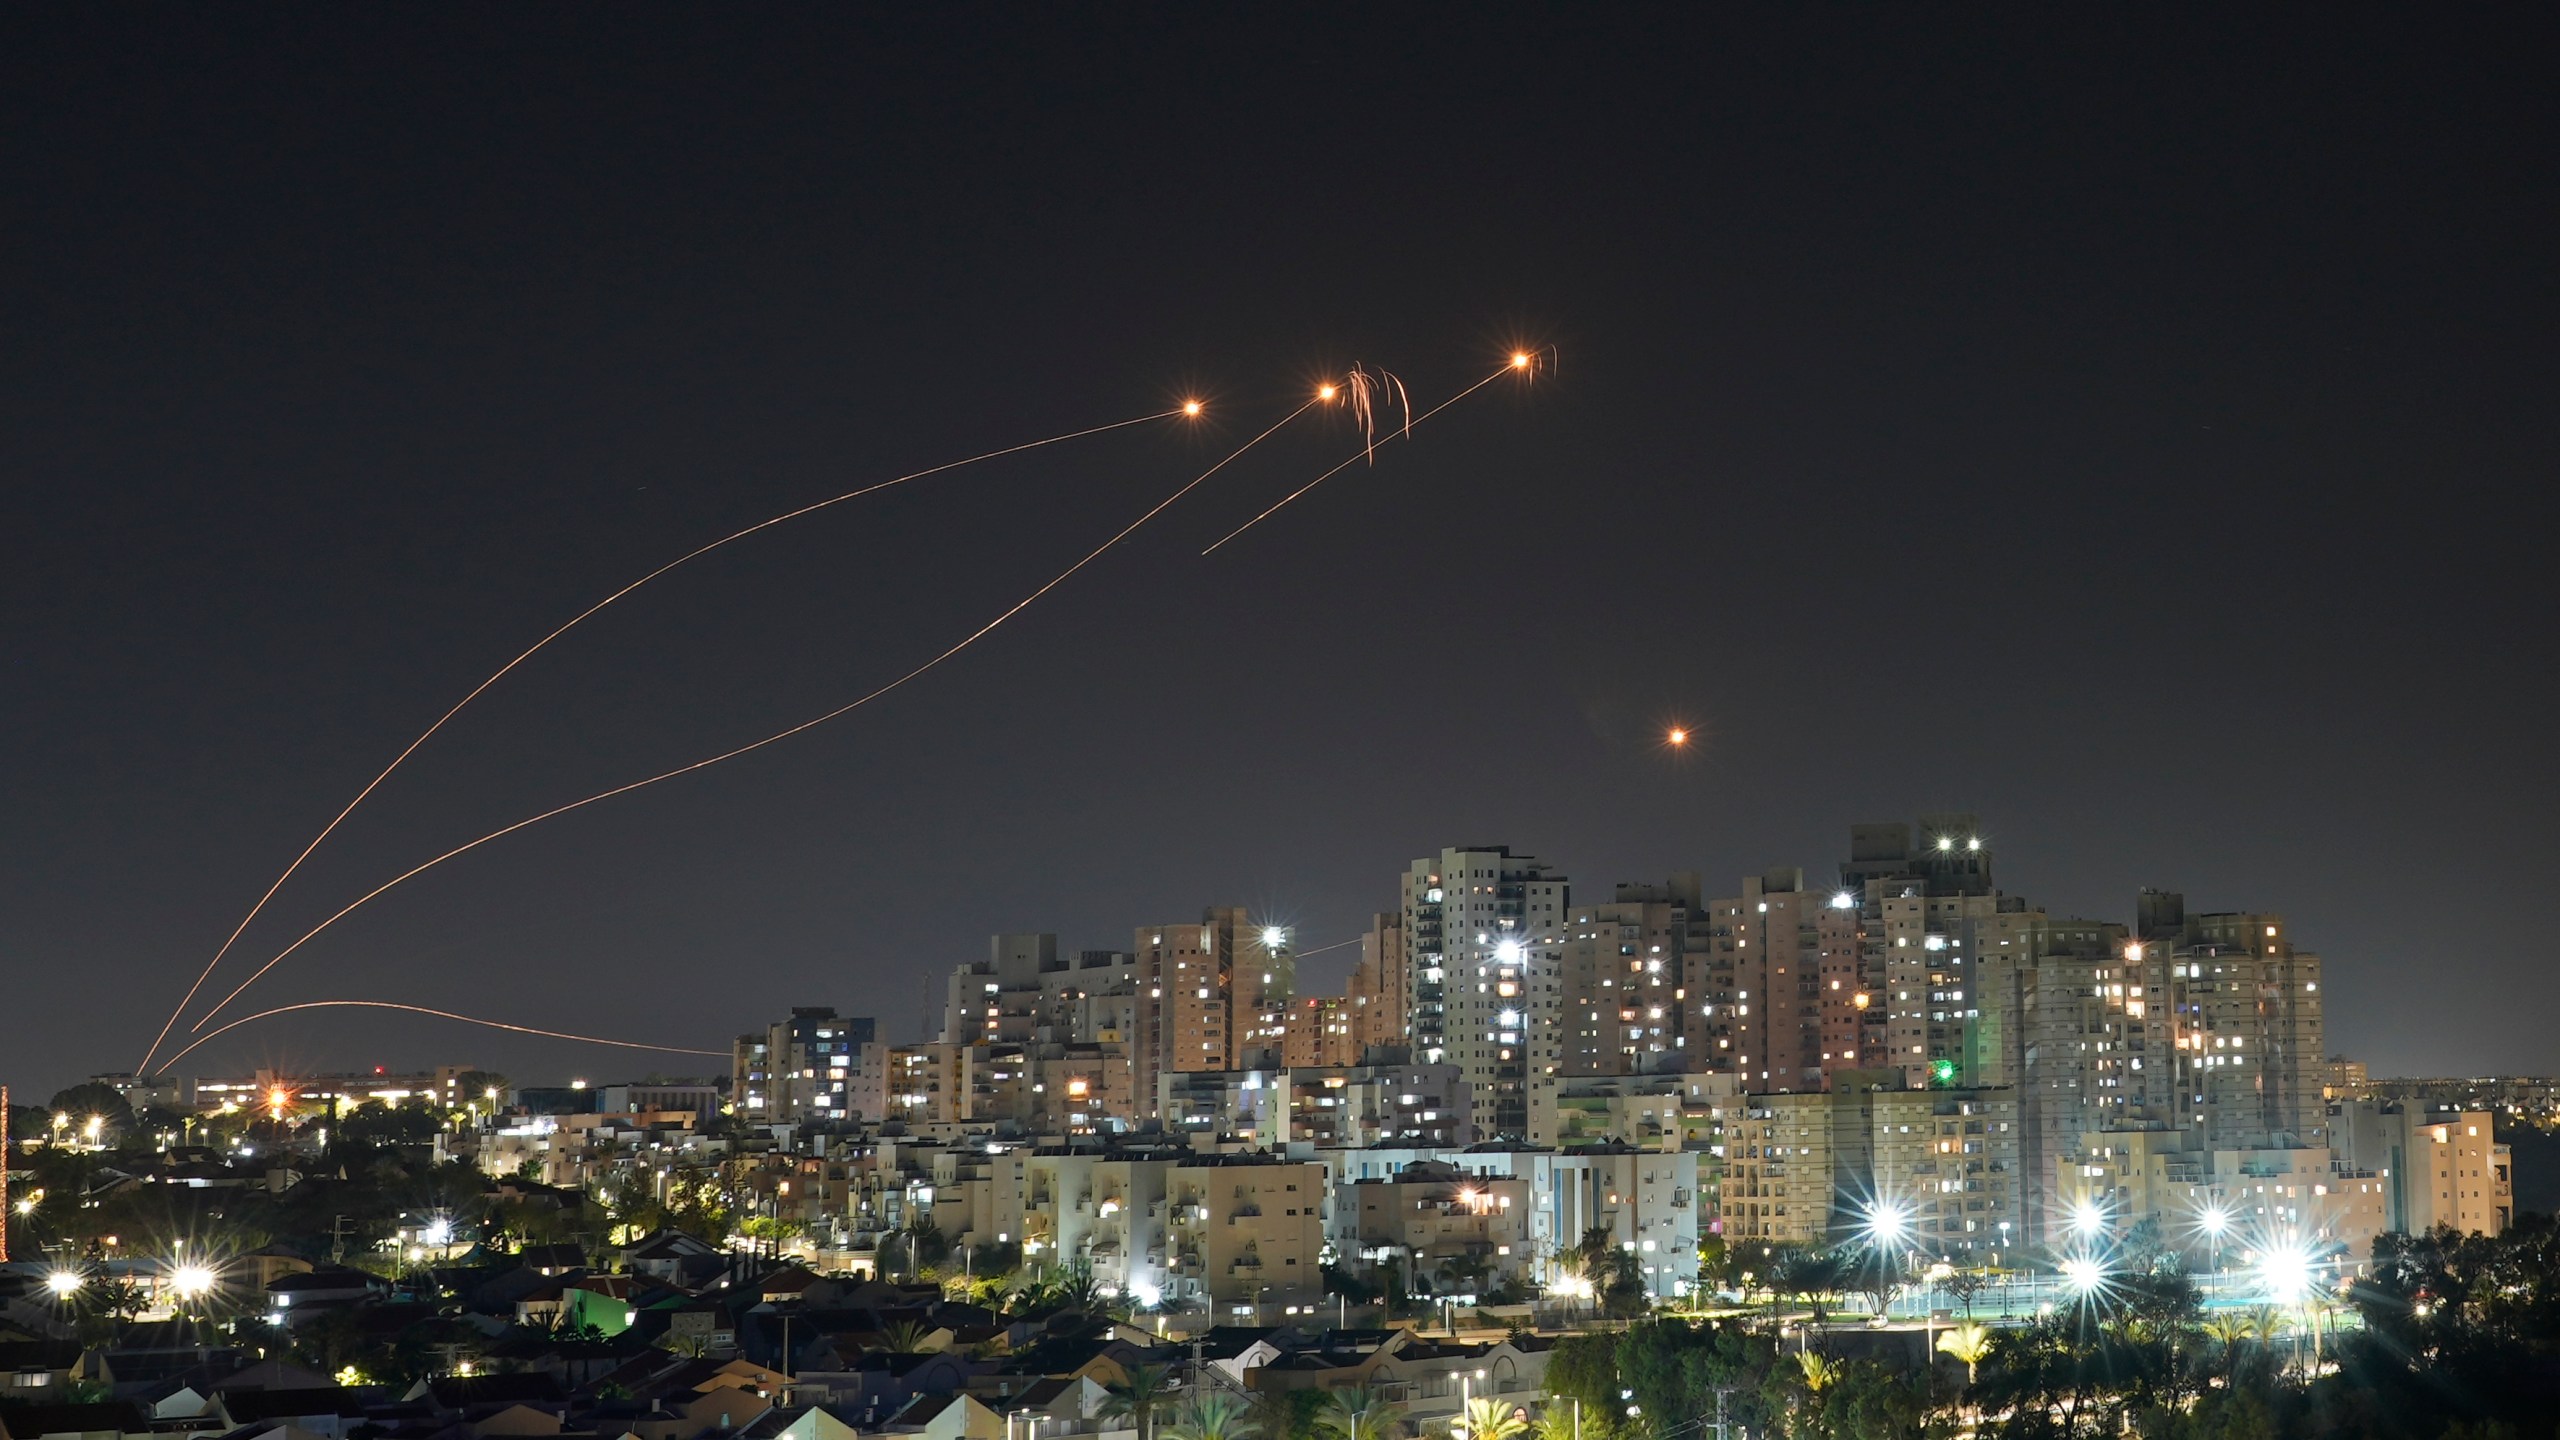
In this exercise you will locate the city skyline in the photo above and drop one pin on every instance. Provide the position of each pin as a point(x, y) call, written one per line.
point(2131, 440)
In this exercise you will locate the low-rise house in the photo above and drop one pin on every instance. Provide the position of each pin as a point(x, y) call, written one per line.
point(947, 1417)
point(672, 1257)
point(37, 1371)
point(328, 1412)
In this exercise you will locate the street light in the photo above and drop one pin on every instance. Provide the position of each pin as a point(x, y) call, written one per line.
point(2286, 1271)
point(65, 1283)
point(2085, 1274)
point(1887, 1223)
point(2089, 1219)
point(2213, 1222)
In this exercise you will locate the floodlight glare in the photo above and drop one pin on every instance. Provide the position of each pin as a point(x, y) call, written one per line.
point(64, 1282)
point(191, 1280)
point(2089, 1219)
point(1887, 1223)
point(2214, 1221)
point(1273, 937)
point(2286, 1270)
point(2083, 1274)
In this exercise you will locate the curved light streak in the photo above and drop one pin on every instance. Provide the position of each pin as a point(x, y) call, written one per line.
point(972, 638)
point(574, 621)
point(440, 1014)
point(1369, 450)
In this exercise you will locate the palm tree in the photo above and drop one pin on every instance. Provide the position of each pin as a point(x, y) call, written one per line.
point(1148, 1387)
point(1355, 1414)
point(1556, 1422)
point(906, 1337)
point(1968, 1343)
point(1818, 1369)
point(1212, 1417)
point(1492, 1418)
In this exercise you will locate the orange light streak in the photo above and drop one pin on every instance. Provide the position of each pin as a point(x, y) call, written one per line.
point(1193, 408)
point(972, 638)
point(440, 1014)
point(1366, 450)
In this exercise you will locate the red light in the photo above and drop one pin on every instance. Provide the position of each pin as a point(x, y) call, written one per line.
point(377, 1069)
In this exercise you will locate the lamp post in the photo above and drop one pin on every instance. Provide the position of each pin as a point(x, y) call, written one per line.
point(2214, 1222)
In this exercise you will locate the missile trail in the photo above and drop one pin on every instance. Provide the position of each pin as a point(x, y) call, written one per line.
point(972, 638)
point(1517, 363)
point(1191, 408)
point(441, 1014)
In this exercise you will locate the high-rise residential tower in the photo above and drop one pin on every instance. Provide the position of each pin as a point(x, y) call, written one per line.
point(1483, 929)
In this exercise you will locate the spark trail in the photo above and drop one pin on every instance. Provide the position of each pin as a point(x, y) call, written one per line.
point(441, 1014)
point(1187, 409)
point(1519, 362)
point(972, 638)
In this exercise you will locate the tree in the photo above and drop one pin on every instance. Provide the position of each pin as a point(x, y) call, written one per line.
point(1289, 1414)
point(1810, 1275)
point(1147, 1390)
point(1491, 1417)
point(1967, 1343)
point(91, 1098)
point(905, 1337)
point(1355, 1414)
point(1212, 1416)
point(1583, 1369)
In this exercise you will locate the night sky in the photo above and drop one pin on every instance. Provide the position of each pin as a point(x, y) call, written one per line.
point(2133, 426)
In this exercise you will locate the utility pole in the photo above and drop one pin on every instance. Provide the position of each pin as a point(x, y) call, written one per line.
point(338, 1240)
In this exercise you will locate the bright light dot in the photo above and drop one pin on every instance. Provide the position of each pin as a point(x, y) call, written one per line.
point(1973, 844)
point(1324, 392)
point(2287, 1270)
point(63, 1282)
point(2083, 1274)
point(191, 1280)
point(1519, 359)
point(1509, 1018)
point(1887, 1223)
point(2088, 1218)
point(1946, 842)
point(1273, 937)
point(1678, 736)
point(1508, 952)
point(1190, 407)
point(2213, 1221)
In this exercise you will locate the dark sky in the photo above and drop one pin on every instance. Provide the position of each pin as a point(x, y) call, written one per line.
point(2135, 426)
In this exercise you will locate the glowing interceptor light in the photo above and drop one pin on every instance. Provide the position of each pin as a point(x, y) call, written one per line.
point(1678, 736)
point(1190, 407)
